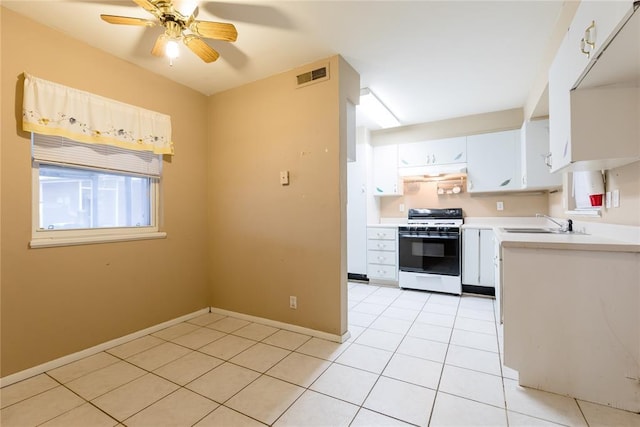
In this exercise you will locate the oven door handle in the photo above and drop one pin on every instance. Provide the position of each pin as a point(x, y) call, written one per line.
point(429, 236)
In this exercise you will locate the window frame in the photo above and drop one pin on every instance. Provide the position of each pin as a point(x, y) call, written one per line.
point(68, 237)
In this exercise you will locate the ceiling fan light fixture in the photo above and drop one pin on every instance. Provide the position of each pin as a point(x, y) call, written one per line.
point(172, 50)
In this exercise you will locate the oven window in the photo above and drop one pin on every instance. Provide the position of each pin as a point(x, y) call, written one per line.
point(433, 255)
point(421, 248)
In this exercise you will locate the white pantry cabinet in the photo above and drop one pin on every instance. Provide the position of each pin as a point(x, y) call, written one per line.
point(386, 181)
point(432, 153)
point(593, 26)
point(478, 257)
point(534, 152)
point(382, 253)
point(493, 161)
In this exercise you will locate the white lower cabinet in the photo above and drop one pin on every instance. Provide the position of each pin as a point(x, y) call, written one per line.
point(478, 257)
point(382, 253)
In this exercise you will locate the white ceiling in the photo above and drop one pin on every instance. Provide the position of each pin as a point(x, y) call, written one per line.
point(426, 60)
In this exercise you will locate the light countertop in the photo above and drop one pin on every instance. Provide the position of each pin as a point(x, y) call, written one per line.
point(599, 237)
point(579, 242)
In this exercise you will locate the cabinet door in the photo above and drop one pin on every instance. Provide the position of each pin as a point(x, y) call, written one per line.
point(470, 256)
point(486, 258)
point(412, 154)
point(534, 148)
point(357, 213)
point(434, 152)
point(591, 29)
point(497, 276)
point(560, 82)
point(450, 150)
point(493, 161)
point(385, 171)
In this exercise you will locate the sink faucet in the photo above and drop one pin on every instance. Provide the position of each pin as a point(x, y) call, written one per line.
point(568, 226)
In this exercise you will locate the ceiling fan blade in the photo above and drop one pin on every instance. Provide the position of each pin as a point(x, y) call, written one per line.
point(200, 48)
point(146, 5)
point(215, 30)
point(159, 46)
point(125, 20)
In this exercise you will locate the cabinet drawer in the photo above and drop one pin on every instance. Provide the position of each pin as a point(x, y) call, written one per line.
point(382, 233)
point(379, 271)
point(381, 245)
point(381, 257)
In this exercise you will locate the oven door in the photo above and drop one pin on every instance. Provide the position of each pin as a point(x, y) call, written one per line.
point(426, 252)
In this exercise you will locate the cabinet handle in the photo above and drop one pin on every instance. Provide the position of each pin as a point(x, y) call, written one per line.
point(380, 245)
point(433, 158)
point(588, 33)
point(547, 160)
point(582, 48)
point(505, 182)
point(588, 40)
point(524, 180)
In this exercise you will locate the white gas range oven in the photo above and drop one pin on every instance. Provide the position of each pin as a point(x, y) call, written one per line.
point(429, 249)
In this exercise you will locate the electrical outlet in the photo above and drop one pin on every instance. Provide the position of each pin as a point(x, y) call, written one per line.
point(500, 206)
point(616, 198)
point(293, 302)
point(401, 207)
point(607, 199)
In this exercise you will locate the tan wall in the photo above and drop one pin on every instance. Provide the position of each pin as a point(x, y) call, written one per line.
point(424, 195)
point(461, 126)
point(626, 179)
point(271, 241)
point(56, 301)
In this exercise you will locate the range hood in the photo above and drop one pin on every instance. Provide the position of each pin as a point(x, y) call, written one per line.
point(424, 172)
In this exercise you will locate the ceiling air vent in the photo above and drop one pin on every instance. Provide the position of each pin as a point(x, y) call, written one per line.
point(314, 76)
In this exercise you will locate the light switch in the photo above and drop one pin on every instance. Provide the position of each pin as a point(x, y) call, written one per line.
point(607, 199)
point(616, 198)
point(284, 177)
point(401, 207)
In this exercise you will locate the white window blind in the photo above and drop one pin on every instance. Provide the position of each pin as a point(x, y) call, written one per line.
point(61, 150)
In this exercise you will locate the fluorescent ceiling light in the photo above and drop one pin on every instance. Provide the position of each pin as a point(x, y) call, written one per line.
point(376, 110)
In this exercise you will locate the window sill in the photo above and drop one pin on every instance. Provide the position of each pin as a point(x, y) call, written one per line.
point(88, 240)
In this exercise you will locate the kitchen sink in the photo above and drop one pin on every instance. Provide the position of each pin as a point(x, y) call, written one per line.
point(539, 230)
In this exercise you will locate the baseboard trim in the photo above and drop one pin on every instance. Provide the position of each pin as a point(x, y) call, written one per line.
point(287, 326)
point(64, 360)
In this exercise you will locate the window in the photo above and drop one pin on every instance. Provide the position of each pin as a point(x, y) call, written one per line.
point(97, 164)
point(86, 193)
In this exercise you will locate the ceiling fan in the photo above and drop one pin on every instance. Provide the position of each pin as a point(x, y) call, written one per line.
point(178, 19)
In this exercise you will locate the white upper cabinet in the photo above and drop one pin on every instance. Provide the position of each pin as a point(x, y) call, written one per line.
point(534, 154)
point(386, 181)
point(593, 27)
point(432, 153)
point(493, 161)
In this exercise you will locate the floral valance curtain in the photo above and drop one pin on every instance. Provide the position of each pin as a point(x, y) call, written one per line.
point(53, 109)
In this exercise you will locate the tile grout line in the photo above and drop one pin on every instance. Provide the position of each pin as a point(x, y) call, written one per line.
point(444, 361)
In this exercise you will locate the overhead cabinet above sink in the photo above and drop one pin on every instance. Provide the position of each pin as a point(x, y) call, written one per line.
point(594, 114)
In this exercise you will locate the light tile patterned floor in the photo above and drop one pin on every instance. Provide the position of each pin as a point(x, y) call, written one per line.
point(414, 358)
